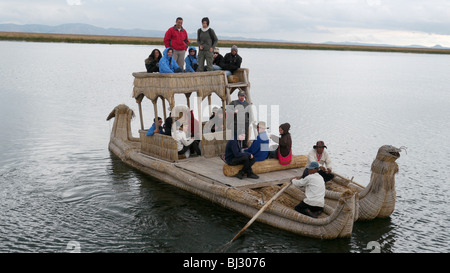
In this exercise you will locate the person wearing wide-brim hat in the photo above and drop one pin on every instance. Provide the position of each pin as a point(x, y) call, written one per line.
point(260, 146)
point(320, 155)
point(312, 205)
point(319, 144)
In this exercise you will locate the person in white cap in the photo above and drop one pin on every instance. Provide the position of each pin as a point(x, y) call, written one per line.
point(314, 185)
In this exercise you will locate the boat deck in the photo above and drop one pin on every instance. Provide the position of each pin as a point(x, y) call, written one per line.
point(211, 169)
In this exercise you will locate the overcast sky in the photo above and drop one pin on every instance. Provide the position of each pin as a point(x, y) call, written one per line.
point(396, 22)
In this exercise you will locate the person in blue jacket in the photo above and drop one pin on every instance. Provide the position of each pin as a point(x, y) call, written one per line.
point(191, 60)
point(234, 155)
point(260, 146)
point(156, 129)
point(167, 64)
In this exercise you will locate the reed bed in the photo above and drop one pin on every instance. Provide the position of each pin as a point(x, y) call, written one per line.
point(103, 39)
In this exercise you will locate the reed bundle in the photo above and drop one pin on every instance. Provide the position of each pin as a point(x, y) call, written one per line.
point(268, 165)
point(158, 145)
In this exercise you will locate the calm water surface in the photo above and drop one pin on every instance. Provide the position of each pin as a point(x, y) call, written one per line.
point(59, 183)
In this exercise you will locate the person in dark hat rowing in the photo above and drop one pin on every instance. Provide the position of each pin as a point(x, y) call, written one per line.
point(320, 155)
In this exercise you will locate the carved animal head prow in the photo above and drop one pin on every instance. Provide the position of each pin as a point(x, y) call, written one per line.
point(120, 109)
point(389, 153)
point(384, 162)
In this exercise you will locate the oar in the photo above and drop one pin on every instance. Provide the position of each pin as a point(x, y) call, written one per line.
point(259, 213)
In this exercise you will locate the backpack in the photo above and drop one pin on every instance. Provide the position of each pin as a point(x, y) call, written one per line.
point(209, 32)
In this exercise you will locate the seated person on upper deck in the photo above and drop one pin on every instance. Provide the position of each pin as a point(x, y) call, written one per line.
point(234, 155)
point(232, 61)
point(260, 146)
point(156, 129)
point(191, 60)
point(152, 62)
point(186, 145)
point(167, 64)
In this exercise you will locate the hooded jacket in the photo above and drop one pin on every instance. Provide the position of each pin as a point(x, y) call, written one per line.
point(191, 61)
point(167, 64)
point(260, 147)
point(284, 141)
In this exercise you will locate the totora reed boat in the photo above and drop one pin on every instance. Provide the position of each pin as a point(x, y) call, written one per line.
point(345, 200)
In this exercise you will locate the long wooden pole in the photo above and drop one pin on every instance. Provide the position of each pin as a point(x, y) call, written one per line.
point(260, 211)
point(349, 180)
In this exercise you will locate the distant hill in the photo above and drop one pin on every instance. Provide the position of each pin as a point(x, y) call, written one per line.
point(81, 29)
point(86, 29)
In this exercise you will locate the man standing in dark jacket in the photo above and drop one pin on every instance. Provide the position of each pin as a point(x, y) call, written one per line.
point(176, 37)
point(235, 156)
point(232, 61)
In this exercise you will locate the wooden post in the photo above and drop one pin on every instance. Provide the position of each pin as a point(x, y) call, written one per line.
point(164, 108)
point(139, 100)
point(228, 94)
point(140, 116)
point(155, 107)
point(224, 120)
point(199, 130)
point(209, 104)
point(188, 95)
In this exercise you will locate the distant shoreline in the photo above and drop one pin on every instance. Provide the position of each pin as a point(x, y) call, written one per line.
point(103, 39)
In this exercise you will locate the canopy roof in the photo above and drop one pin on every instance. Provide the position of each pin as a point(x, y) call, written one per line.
point(154, 85)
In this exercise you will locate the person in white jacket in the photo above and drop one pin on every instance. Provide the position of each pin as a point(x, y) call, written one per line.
point(314, 185)
point(185, 144)
point(320, 155)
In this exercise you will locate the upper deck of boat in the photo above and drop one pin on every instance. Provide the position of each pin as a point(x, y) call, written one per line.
point(210, 169)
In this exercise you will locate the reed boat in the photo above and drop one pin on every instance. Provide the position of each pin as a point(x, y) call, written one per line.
point(205, 175)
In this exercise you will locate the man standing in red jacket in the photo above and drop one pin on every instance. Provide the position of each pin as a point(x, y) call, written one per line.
point(176, 37)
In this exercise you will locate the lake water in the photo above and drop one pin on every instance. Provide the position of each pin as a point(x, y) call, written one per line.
point(60, 185)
